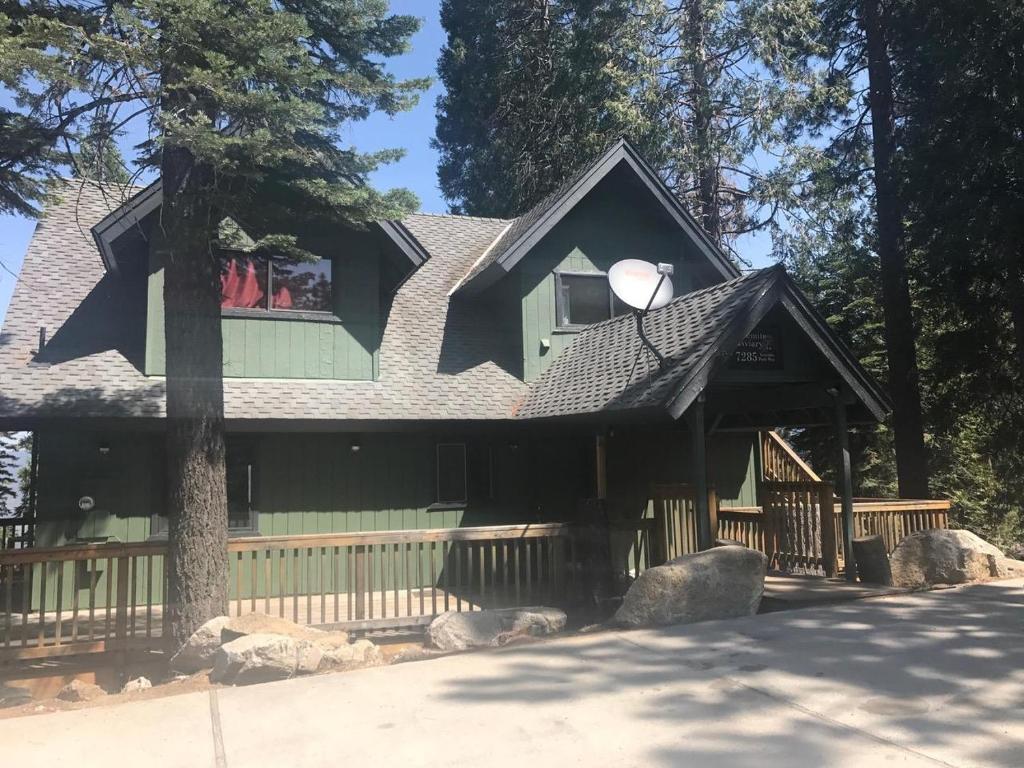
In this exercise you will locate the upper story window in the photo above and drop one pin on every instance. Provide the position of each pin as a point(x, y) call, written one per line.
point(584, 298)
point(261, 283)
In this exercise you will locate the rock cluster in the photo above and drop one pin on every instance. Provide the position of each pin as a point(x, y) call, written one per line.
point(454, 631)
point(720, 583)
point(258, 648)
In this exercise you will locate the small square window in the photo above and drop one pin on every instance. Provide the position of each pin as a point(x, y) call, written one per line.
point(585, 299)
point(451, 473)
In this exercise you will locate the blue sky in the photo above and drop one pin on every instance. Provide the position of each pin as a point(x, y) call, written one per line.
point(410, 130)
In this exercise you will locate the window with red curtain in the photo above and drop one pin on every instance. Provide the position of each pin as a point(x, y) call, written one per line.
point(243, 282)
point(258, 283)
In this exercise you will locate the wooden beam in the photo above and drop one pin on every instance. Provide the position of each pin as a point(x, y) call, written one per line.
point(601, 466)
point(845, 487)
point(699, 473)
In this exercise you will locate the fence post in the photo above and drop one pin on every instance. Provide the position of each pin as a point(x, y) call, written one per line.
point(121, 603)
point(713, 513)
point(829, 546)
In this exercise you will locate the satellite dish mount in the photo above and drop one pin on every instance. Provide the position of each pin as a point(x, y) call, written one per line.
point(642, 286)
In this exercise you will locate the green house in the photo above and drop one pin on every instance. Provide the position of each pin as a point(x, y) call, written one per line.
point(436, 372)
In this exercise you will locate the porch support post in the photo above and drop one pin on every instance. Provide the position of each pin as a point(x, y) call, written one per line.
point(699, 473)
point(845, 485)
point(601, 466)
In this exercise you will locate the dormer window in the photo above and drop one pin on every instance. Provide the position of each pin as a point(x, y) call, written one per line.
point(266, 284)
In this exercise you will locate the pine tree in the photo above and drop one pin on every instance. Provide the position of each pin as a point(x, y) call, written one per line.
point(244, 101)
point(534, 88)
point(98, 156)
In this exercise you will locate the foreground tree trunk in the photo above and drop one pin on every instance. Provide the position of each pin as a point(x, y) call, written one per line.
point(197, 503)
point(900, 342)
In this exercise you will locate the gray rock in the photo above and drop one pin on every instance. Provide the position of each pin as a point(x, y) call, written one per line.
point(720, 583)
point(136, 685)
point(198, 651)
point(538, 622)
point(948, 557)
point(77, 690)
point(339, 654)
point(262, 658)
point(453, 631)
point(264, 624)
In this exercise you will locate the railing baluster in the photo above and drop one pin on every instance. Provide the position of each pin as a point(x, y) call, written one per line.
point(253, 581)
point(92, 599)
point(149, 597)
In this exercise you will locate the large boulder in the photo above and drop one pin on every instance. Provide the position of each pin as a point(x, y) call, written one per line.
point(454, 631)
point(198, 651)
point(719, 583)
point(264, 624)
point(262, 658)
point(948, 557)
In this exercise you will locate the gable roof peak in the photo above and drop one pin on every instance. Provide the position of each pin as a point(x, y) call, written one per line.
point(529, 228)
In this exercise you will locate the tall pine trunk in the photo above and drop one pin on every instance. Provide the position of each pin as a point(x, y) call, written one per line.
point(1015, 289)
point(703, 117)
point(900, 339)
point(197, 503)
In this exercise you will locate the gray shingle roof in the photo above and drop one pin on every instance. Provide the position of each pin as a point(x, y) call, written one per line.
point(435, 358)
point(593, 374)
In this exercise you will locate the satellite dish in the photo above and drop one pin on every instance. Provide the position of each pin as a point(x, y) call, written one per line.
point(640, 284)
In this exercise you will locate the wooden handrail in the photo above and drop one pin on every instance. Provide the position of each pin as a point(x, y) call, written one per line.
point(82, 552)
point(407, 536)
point(774, 441)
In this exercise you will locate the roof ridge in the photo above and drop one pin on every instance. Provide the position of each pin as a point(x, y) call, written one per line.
point(460, 216)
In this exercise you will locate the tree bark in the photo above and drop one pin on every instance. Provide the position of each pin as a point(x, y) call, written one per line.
point(900, 337)
point(1015, 289)
point(197, 503)
point(703, 116)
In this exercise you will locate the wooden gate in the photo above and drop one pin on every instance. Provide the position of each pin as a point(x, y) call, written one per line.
point(799, 527)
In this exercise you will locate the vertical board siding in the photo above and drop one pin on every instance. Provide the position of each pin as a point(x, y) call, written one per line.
point(609, 225)
point(341, 347)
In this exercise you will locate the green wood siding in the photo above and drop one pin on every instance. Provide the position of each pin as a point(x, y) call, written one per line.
point(611, 224)
point(343, 347)
point(315, 483)
point(639, 458)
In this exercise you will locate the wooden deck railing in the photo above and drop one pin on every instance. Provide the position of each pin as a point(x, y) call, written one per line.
point(102, 597)
point(780, 463)
point(16, 532)
point(798, 526)
point(893, 519)
point(80, 599)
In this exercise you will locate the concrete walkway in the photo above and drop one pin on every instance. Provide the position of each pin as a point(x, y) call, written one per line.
point(927, 679)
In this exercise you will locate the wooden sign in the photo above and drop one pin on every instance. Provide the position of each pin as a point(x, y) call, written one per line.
point(761, 350)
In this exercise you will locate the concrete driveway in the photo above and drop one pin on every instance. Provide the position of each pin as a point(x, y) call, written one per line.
point(912, 680)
